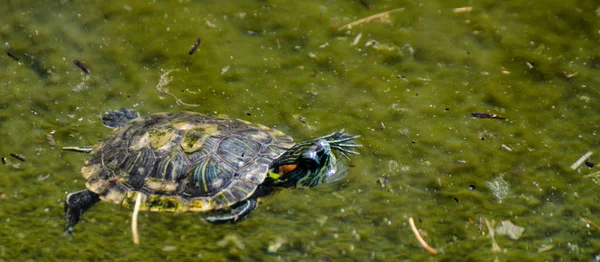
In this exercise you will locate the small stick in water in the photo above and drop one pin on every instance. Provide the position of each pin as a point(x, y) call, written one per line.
point(581, 160)
point(17, 156)
point(486, 115)
point(81, 66)
point(12, 56)
point(195, 46)
point(421, 241)
point(136, 210)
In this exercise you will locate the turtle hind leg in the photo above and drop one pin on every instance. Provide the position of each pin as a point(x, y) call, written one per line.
point(239, 213)
point(119, 118)
point(76, 204)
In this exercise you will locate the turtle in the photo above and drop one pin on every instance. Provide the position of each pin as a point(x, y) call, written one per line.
point(188, 161)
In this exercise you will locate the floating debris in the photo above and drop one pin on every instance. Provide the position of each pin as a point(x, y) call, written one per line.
point(507, 148)
point(511, 230)
point(169, 248)
point(17, 156)
point(43, 177)
point(500, 188)
point(356, 39)
point(581, 160)
point(81, 66)
point(545, 247)
point(383, 182)
point(486, 115)
point(419, 238)
point(195, 46)
point(301, 119)
point(164, 80)
point(12, 56)
point(569, 75)
point(365, 4)
point(50, 138)
point(231, 240)
point(274, 246)
point(495, 247)
point(465, 9)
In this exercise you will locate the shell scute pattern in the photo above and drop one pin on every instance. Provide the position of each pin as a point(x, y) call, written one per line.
point(183, 161)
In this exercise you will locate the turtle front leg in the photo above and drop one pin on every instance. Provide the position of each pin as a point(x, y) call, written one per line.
point(76, 204)
point(239, 213)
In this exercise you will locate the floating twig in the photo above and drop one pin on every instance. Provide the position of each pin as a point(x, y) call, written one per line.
point(81, 66)
point(587, 221)
point(17, 156)
point(136, 210)
point(421, 241)
point(581, 160)
point(383, 17)
point(195, 46)
point(486, 115)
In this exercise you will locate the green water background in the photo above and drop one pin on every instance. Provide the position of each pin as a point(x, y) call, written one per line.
point(408, 86)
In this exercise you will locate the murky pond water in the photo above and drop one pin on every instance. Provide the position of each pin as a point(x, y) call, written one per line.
point(407, 81)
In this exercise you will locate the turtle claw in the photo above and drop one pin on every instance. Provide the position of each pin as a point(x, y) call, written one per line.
point(343, 143)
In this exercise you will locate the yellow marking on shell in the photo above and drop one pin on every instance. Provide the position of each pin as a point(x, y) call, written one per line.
point(141, 142)
point(160, 138)
point(183, 125)
point(200, 204)
point(160, 185)
point(193, 140)
point(156, 203)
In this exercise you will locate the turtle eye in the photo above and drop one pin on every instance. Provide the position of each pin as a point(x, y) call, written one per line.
point(310, 159)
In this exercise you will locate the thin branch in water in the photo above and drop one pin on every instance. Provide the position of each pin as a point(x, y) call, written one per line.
point(383, 17)
point(421, 241)
point(581, 160)
point(134, 218)
point(589, 222)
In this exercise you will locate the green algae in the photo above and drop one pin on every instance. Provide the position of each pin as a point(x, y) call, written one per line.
point(409, 94)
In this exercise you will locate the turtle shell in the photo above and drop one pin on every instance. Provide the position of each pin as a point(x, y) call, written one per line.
point(183, 161)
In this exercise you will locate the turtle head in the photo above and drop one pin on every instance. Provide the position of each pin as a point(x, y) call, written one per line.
point(313, 162)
